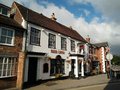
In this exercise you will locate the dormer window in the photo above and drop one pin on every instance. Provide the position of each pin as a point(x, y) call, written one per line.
point(3, 11)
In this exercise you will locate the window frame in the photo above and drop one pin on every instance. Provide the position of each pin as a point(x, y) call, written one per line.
point(63, 43)
point(38, 36)
point(12, 38)
point(52, 41)
point(2, 10)
point(7, 62)
point(72, 45)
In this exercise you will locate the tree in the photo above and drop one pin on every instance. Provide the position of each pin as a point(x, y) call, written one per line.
point(116, 60)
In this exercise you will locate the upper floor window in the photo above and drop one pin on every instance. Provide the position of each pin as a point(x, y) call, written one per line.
point(35, 36)
point(6, 36)
point(3, 11)
point(52, 41)
point(73, 45)
point(63, 43)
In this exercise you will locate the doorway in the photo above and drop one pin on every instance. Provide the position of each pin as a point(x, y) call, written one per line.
point(32, 70)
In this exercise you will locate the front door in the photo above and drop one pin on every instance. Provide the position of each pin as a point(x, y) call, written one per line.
point(32, 70)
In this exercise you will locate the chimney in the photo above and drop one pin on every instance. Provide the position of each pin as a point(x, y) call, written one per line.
point(53, 17)
point(88, 39)
point(70, 27)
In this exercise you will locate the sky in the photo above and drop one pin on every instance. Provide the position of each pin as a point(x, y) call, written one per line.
point(100, 19)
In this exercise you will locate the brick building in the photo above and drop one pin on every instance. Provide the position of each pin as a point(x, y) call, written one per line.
point(11, 38)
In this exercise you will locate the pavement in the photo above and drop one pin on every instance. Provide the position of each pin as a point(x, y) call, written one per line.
point(74, 83)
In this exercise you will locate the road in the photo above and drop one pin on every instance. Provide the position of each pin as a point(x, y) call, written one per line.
point(111, 86)
point(97, 82)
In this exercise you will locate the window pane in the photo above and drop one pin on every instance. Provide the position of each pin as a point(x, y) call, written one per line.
point(4, 72)
point(4, 11)
point(8, 73)
point(9, 40)
point(4, 31)
point(0, 73)
point(10, 33)
point(0, 10)
point(3, 39)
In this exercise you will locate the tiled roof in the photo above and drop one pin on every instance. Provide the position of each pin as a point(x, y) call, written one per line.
point(115, 68)
point(103, 44)
point(8, 21)
point(43, 21)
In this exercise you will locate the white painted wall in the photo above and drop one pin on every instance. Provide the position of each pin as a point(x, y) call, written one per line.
point(44, 49)
point(103, 59)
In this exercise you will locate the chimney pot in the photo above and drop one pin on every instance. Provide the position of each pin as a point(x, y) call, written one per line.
point(53, 17)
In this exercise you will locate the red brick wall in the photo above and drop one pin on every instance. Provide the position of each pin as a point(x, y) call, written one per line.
point(17, 43)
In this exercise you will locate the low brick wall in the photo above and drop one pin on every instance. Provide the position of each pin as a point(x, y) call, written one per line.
point(6, 83)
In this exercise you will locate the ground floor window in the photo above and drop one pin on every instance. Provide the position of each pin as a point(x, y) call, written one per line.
point(45, 68)
point(8, 67)
point(57, 66)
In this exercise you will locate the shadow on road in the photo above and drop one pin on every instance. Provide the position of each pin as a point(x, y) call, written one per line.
point(113, 84)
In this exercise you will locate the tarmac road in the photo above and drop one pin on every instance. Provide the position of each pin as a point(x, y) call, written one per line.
point(97, 82)
point(110, 86)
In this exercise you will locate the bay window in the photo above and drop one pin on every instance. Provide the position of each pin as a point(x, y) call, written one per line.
point(8, 67)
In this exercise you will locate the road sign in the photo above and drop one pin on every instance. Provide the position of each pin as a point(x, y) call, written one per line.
point(109, 56)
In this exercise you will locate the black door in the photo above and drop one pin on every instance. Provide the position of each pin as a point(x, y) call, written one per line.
point(32, 70)
point(72, 65)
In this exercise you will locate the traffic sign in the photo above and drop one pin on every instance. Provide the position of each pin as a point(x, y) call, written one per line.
point(109, 56)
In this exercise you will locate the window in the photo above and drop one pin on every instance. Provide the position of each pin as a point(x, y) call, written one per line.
point(3, 11)
point(57, 67)
point(35, 36)
point(63, 43)
point(8, 66)
point(6, 36)
point(45, 68)
point(72, 45)
point(52, 41)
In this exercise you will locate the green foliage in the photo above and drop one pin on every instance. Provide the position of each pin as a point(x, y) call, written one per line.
point(116, 60)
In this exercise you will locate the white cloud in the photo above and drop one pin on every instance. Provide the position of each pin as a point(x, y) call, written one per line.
point(99, 32)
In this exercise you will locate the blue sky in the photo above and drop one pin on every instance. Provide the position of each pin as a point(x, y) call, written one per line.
point(85, 10)
point(96, 18)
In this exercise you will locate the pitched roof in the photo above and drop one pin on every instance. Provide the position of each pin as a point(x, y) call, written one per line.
point(8, 21)
point(102, 44)
point(43, 21)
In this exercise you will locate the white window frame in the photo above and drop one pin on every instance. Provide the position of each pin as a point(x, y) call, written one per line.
point(13, 37)
point(6, 62)
point(63, 43)
point(52, 41)
point(72, 45)
point(37, 43)
point(1, 12)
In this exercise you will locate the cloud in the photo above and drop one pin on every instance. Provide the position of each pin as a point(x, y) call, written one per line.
point(109, 8)
point(98, 31)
